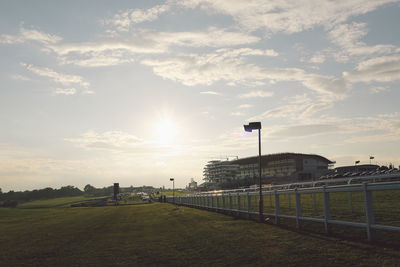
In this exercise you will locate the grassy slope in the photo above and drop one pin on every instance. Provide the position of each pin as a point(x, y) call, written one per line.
point(164, 234)
point(52, 202)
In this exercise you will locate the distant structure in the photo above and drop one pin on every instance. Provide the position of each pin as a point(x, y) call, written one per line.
point(116, 191)
point(192, 185)
point(356, 168)
point(275, 169)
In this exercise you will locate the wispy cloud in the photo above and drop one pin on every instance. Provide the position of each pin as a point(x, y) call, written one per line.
point(245, 106)
point(378, 89)
point(380, 69)
point(256, 94)
point(123, 20)
point(112, 140)
point(237, 113)
point(348, 38)
point(65, 91)
point(210, 93)
point(287, 16)
point(297, 108)
point(25, 35)
point(118, 50)
point(65, 79)
point(20, 77)
point(226, 65)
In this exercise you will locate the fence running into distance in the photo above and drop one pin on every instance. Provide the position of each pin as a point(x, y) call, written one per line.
point(368, 204)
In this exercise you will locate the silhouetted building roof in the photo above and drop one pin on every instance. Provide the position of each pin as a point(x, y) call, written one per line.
point(280, 156)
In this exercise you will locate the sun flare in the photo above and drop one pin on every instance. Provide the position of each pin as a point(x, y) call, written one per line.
point(166, 131)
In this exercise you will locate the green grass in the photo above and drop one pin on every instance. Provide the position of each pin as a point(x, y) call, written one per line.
point(163, 234)
point(54, 202)
point(170, 193)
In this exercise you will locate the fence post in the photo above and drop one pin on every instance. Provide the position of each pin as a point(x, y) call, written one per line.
point(369, 212)
point(327, 209)
point(238, 200)
point(277, 210)
point(217, 197)
point(248, 203)
point(223, 201)
point(298, 208)
point(289, 200)
point(212, 201)
point(230, 201)
point(351, 202)
point(208, 202)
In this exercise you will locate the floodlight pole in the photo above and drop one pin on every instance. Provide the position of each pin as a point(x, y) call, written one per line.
point(261, 206)
point(173, 189)
point(249, 128)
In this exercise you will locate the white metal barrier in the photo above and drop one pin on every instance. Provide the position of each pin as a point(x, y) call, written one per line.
point(244, 202)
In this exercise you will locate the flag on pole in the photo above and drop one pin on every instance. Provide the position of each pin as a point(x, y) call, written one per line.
point(357, 161)
point(371, 157)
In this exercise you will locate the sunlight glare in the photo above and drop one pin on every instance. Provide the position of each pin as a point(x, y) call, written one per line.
point(166, 131)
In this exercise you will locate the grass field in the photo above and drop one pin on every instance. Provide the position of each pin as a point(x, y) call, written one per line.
point(163, 234)
point(55, 202)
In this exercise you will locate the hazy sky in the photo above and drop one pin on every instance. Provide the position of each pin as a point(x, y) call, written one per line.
point(137, 92)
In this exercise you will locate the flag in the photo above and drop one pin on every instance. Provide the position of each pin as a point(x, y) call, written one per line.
point(371, 157)
point(357, 161)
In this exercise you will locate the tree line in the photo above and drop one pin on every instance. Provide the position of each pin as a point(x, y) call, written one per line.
point(12, 198)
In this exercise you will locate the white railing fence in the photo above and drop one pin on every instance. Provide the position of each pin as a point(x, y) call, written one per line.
point(373, 206)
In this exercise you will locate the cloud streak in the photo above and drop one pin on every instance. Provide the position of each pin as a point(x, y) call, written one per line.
point(64, 79)
point(26, 35)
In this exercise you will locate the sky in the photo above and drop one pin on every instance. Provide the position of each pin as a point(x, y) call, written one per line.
point(137, 92)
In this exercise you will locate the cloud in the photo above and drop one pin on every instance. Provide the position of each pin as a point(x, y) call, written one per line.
point(348, 38)
point(287, 16)
point(297, 131)
point(379, 89)
point(298, 108)
point(237, 113)
point(88, 92)
point(123, 20)
point(26, 35)
point(20, 77)
point(98, 59)
point(245, 106)
point(119, 50)
point(210, 93)
point(65, 91)
point(57, 77)
point(317, 58)
point(225, 65)
point(111, 140)
point(256, 94)
point(380, 69)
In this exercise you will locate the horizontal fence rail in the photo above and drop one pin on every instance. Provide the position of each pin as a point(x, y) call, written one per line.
point(372, 206)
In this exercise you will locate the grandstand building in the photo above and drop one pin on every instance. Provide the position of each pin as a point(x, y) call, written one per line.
point(275, 168)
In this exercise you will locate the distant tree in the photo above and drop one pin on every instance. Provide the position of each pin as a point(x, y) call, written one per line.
point(10, 204)
point(89, 189)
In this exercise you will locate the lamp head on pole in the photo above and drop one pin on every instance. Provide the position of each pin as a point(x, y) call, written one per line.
point(252, 126)
point(171, 179)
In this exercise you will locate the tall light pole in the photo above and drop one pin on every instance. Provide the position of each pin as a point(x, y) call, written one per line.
point(249, 128)
point(355, 165)
point(173, 189)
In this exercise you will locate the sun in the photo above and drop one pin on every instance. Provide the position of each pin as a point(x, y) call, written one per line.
point(166, 131)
